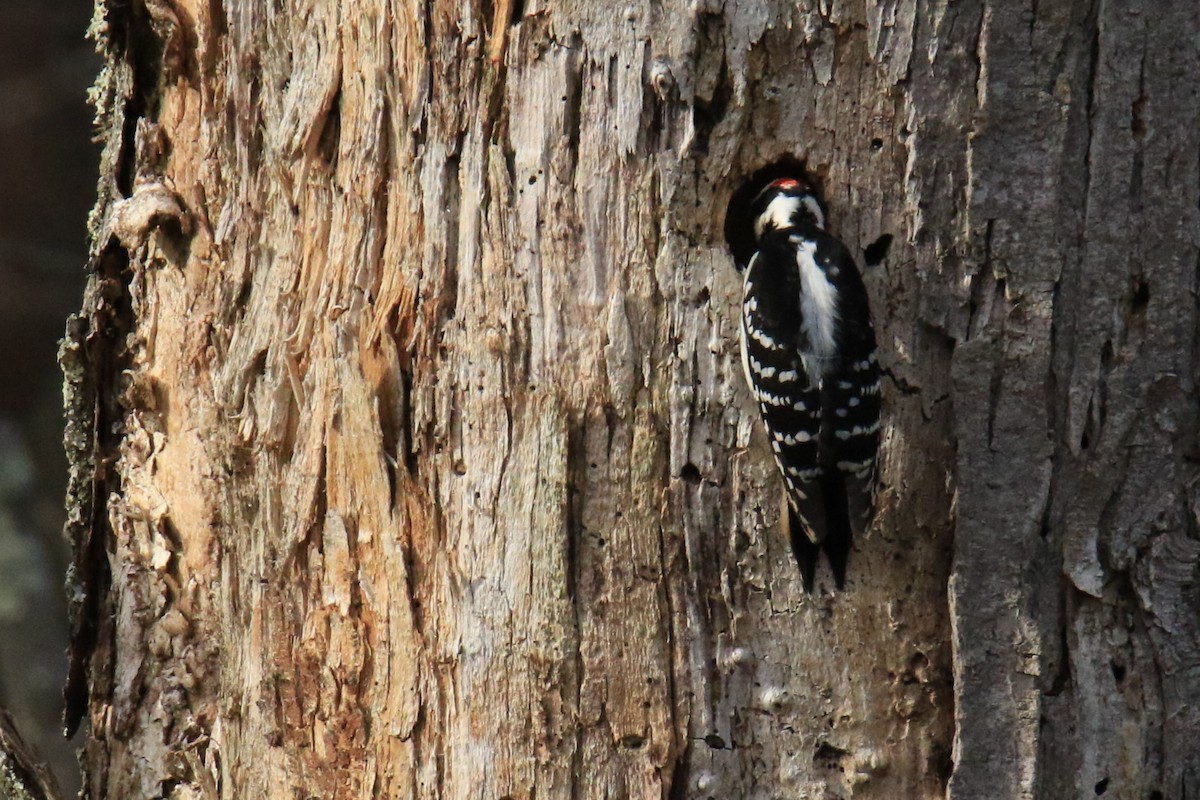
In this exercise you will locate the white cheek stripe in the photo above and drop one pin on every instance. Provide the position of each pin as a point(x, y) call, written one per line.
point(779, 212)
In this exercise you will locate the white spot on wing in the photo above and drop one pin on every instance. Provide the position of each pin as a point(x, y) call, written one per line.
point(804, 474)
point(764, 340)
point(760, 369)
point(857, 430)
point(772, 399)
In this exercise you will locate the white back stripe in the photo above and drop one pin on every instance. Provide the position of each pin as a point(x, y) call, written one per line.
point(818, 300)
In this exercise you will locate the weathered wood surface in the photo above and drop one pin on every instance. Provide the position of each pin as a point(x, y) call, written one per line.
point(426, 468)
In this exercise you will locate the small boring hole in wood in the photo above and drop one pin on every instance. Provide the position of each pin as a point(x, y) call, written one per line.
point(1101, 786)
point(1118, 671)
point(829, 756)
point(1107, 355)
point(680, 782)
point(330, 137)
point(1137, 123)
point(690, 474)
point(875, 253)
point(1141, 296)
point(941, 762)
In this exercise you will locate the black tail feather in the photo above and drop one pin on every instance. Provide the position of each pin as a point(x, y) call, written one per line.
point(829, 509)
point(838, 534)
point(804, 549)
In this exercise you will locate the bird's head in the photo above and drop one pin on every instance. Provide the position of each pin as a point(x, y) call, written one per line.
point(785, 203)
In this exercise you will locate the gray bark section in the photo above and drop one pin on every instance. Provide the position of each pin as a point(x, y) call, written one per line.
point(487, 511)
point(1075, 582)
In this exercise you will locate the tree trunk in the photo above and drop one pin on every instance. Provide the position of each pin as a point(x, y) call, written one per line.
point(412, 455)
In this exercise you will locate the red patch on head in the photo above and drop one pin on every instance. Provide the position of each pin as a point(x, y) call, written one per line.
point(786, 183)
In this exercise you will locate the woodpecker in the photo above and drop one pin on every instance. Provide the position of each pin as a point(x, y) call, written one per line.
point(808, 350)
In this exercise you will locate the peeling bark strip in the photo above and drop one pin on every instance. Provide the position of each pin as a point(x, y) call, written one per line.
point(23, 774)
point(411, 456)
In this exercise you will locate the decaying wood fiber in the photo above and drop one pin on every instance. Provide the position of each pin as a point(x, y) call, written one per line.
point(421, 455)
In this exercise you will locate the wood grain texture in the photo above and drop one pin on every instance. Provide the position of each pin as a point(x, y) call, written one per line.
point(435, 476)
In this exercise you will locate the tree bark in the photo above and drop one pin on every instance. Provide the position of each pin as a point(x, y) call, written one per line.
point(412, 455)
